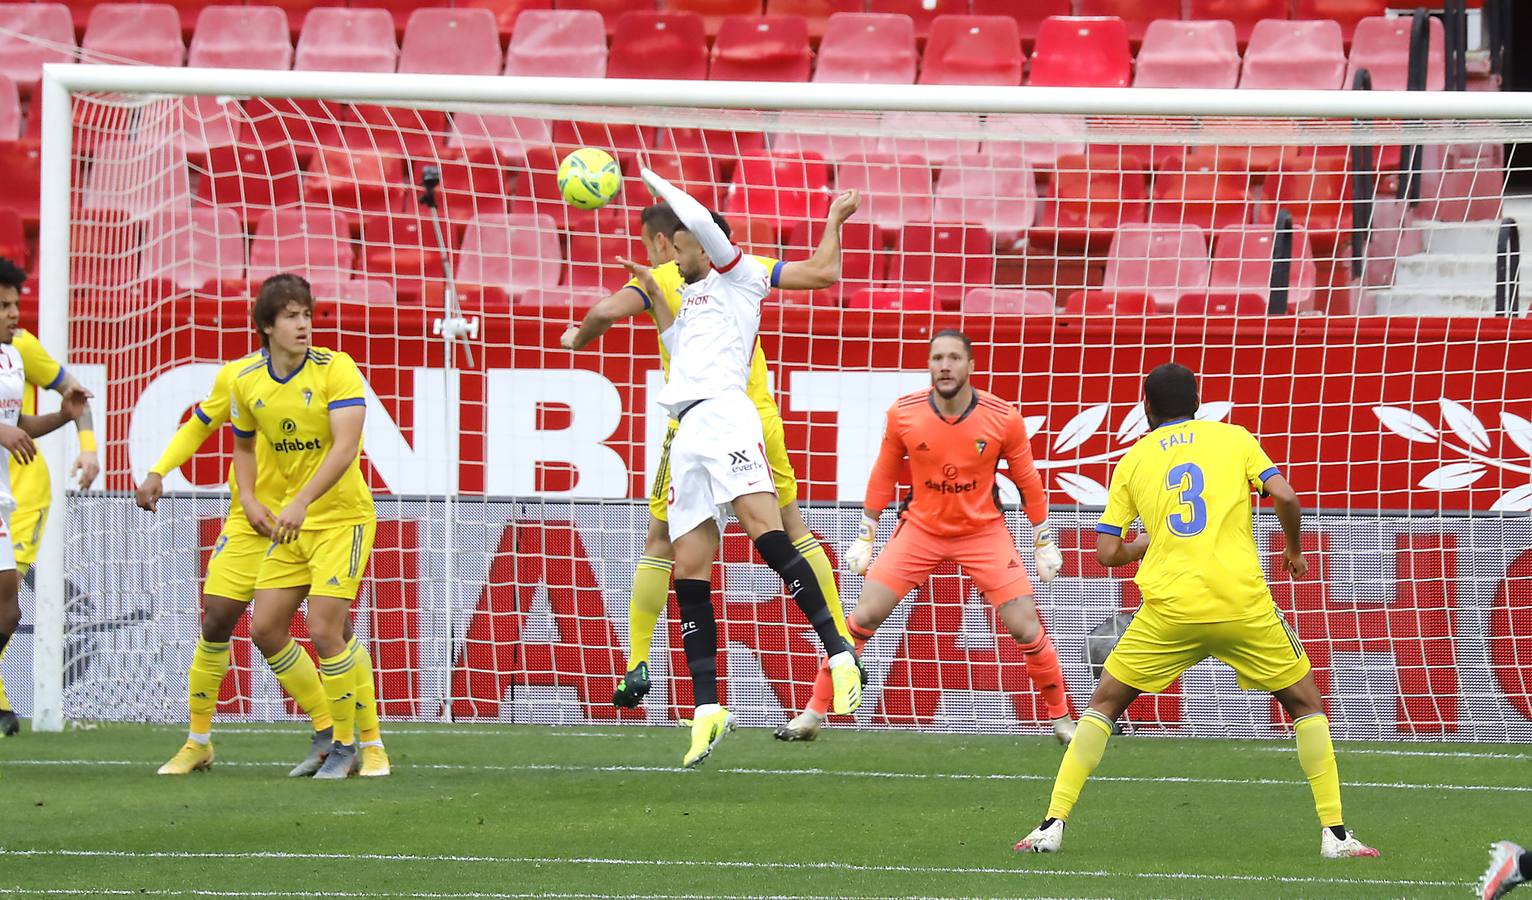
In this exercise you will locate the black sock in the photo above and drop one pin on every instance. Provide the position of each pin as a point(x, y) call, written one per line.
point(1339, 831)
point(699, 635)
point(4, 639)
point(1526, 866)
point(802, 586)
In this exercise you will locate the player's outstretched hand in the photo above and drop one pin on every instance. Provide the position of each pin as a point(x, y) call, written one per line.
point(643, 273)
point(845, 206)
point(567, 339)
point(148, 494)
point(18, 442)
point(75, 402)
point(1294, 563)
point(1046, 553)
point(859, 554)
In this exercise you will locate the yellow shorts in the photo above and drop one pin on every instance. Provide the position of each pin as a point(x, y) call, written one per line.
point(236, 558)
point(782, 475)
point(1263, 651)
point(26, 530)
point(328, 561)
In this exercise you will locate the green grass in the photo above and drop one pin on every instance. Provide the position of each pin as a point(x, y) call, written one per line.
point(510, 811)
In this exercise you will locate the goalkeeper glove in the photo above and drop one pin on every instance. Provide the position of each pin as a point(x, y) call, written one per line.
point(859, 554)
point(1046, 553)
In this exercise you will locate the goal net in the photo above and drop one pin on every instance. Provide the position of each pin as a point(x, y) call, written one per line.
point(1342, 280)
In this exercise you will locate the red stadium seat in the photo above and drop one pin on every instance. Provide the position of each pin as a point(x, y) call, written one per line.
point(1316, 190)
point(894, 190)
point(1092, 195)
point(1221, 303)
point(909, 134)
point(451, 42)
point(781, 188)
point(13, 237)
point(517, 253)
point(1066, 133)
point(593, 254)
point(1209, 190)
point(867, 48)
point(355, 181)
point(1135, 14)
point(1243, 13)
point(863, 260)
point(722, 150)
point(1075, 51)
point(1462, 182)
point(762, 48)
point(52, 29)
point(714, 12)
point(470, 188)
point(251, 180)
point(973, 50)
point(610, 10)
point(359, 291)
point(508, 137)
point(1382, 47)
point(188, 248)
point(402, 248)
point(148, 33)
point(816, 13)
point(1007, 302)
point(1161, 261)
point(337, 39)
point(22, 164)
point(1345, 13)
point(1293, 56)
point(892, 300)
point(1179, 54)
point(314, 243)
point(921, 12)
point(562, 43)
point(1108, 303)
point(833, 147)
point(1242, 263)
point(563, 302)
point(241, 37)
point(944, 259)
point(131, 181)
point(207, 122)
point(658, 45)
point(506, 12)
point(981, 190)
point(1029, 14)
point(10, 110)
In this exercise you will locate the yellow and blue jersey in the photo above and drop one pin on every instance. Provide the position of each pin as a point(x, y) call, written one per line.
point(668, 279)
point(1190, 483)
point(292, 416)
point(30, 484)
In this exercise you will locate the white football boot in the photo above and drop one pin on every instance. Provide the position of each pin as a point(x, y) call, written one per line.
point(1332, 847)
point(1045, 838)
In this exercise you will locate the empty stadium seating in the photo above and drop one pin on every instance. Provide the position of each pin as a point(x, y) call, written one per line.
point(1081, 52)
point(658, 45)
point(973, 50)
point(148, 33)
point(1005, 301)
point(21, 59)
point(867, 48)
point(1188, 55)
point(761, 48)
point(1242, 13)
point(241, 37)
point(1135, 14)
point(1293, 56)
point(895, 190)
point(567, 43)
point(451, 42)
point(314, 243)
point(335, 39)
point(1382, 47)
point(513, 252)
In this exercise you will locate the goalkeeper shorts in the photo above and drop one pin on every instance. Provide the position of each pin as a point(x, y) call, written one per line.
point(1263, 651)
point(330, 561)
point(988, 556)
point(235, 561)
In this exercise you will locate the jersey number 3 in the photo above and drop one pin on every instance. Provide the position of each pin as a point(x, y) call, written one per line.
point(1187, 479)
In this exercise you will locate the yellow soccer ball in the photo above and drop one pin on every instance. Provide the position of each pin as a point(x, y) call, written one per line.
point(589, 178)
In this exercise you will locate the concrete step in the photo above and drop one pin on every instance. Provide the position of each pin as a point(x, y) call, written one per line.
point(1462, 238)
point(1407, 302)
point(1445, 269)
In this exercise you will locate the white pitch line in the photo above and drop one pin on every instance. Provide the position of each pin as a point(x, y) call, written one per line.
point(841, 773)
point(488, 731)
point(742, 864)
point(452, 895)
point(1343, 750)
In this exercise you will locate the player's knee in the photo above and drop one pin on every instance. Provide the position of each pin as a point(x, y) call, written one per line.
point(217, 626)
point(268, 637)
point(658, 544)
point(10, 618)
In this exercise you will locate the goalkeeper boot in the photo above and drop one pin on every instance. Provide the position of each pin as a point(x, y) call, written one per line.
point(319, 748)
point(374, 762)
point(1336, 846)
point(1045, 838)
point(192, 757)
point(10, 726)
point(848, 676)
point(633, 687)
point(711, 723)
point(804, 727)
point(1504, 871)
point(339, 764)
point(1064, 729)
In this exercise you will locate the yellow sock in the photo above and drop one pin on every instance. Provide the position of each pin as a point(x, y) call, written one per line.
point(296, 673)
point(1317, 757)
point(203, 682)
point(5, 702)
point(1080, 760)
point(810, 548)
point(366, 693)
point(651, 586)
point(338, 675)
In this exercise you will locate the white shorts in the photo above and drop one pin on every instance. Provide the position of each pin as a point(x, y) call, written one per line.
point(7, 548)
point(719, 453)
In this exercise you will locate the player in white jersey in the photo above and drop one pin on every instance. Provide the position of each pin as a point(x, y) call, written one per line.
point(718, 457)
point(16, 433)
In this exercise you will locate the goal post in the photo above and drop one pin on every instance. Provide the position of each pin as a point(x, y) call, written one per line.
point(1080, 236)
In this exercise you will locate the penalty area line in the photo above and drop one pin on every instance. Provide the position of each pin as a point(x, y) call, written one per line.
point(447, 895)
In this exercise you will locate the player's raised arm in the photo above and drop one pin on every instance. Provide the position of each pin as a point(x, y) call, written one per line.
point(882, 484)
point(1034, 498)
point(1111, 549)
point(822, 269)
point(206, 418)
point(626, 303)
point(696, 219)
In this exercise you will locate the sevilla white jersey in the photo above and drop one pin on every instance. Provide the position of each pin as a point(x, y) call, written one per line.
point(13, 381)
point(713, 336)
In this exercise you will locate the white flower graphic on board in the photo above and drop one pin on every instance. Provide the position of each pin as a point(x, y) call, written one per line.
point(1465, 435)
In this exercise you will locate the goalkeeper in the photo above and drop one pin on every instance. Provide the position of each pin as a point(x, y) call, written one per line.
point(651, 576)
point(1204, 594)
point(955, 437)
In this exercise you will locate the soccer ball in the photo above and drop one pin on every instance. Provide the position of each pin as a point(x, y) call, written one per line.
point(589, 178)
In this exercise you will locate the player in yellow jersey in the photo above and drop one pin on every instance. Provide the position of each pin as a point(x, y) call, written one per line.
point(229, 587)
point(651, 577)
point(30, 484)
point(1204, 592)
point(308, 405)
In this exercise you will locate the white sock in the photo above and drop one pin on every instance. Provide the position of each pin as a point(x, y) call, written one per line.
point(843, 658)
point(706, 709)
point(203, 739)
point(377, 743)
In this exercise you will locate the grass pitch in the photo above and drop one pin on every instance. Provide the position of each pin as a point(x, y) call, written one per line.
point(491, 812)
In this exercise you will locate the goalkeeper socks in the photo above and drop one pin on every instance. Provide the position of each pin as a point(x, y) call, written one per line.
point(5, 702)
point(699, 635)
point(824, 684)
point(204, 680)
point(810, 549)
point(296, 673)
point(1043, 668)
point(651, 585)
point(367, 729)
point(338, 675)
point(1317, 757)
point(803, 587)
point(1080, 760)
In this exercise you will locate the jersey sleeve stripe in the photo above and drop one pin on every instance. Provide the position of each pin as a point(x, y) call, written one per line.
point(202, 415)
point(738, 255)
point(776, 273)
point(1273, 471)
point(57, 379)
point(1113, 530)
point(240, 432)
point(350, 401)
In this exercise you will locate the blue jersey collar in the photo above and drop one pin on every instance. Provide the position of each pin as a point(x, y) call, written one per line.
point(1173, 422)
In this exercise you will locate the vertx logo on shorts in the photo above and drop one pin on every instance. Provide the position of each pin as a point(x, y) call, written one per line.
point(949, 472)
point(740, 461)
